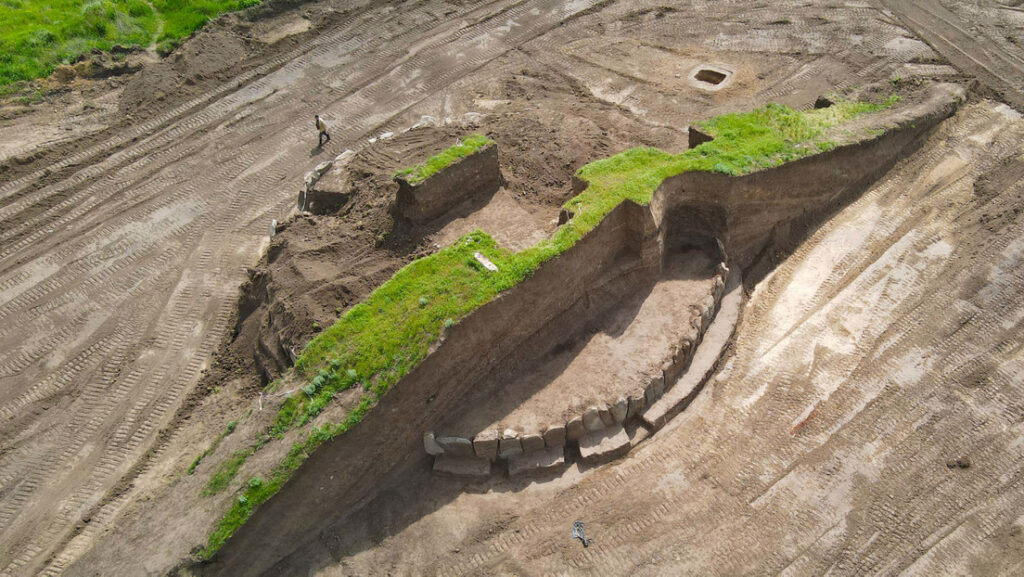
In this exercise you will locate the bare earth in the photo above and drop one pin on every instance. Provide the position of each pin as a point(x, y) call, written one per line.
point(867, 420)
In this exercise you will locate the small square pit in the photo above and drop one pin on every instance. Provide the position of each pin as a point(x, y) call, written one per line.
point(710, 77)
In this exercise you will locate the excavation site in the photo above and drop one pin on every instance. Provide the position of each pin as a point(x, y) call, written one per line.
point(356, 288)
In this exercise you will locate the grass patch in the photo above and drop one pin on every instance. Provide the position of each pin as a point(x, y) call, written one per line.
point(183, 17)
point(440, 161)
point(38, 35)
point(383, 338)
point(213, 446)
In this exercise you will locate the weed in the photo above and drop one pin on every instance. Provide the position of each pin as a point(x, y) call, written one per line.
point(213, 446)
point(226, 471)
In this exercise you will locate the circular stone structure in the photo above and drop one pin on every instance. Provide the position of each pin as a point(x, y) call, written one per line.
point(589, 370)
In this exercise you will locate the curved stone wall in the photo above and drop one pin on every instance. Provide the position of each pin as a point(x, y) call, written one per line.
point(504, 445)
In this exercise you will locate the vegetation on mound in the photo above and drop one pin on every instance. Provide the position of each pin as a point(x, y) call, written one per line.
point(440, 161)
point(37, 35)
point(382, 339)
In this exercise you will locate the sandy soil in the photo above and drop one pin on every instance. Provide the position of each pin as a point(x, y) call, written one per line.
point(123, 243)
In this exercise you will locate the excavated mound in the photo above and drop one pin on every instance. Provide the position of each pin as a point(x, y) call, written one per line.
point(532, 328)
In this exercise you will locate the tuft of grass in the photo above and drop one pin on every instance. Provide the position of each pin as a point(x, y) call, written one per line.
point(213, 446)
point(38, 35)
point(438, 162)
point(226, 471)
point(383, 338)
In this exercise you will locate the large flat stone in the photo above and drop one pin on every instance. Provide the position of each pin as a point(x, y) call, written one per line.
point(430, 445)
point(574, 429)
point(532, 442)
point(462, 467)
point(619, 410)
point(485, 444)
point(604, 445)
point(456, 446)
point(554, 436)
point(537, 462)
point(637, 403)
point(592, 419)
point(510, 444)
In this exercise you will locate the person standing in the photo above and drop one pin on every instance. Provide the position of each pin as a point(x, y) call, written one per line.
point(321, 128)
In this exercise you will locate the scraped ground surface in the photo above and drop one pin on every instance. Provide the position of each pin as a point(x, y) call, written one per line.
point(886, 347)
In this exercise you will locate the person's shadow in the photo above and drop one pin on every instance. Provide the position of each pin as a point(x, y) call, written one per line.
point(316, 150)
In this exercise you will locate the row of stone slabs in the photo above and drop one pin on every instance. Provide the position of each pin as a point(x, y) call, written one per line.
point(596, 447)
point(600, 433)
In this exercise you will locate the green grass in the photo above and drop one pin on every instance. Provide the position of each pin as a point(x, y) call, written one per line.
point(38, 35)
point(382, 339)
point(440, 161)
point(183, 17)
point(213, 446)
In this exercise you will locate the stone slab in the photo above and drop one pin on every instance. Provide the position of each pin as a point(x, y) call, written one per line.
point(592, 419)
point(637, 404)
point(532, 442)
point(462, 467)
point(554, 436)
point(430, 445)
point(485, 444)
point(509, 445)
point(574, 429)
point(604, 445)
point(456, 446)
point(537, 462)
point(619, 410)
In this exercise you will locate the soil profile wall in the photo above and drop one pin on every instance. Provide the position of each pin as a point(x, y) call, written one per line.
point(475, 175)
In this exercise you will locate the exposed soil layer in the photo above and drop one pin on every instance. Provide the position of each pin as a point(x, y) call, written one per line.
point(126, 228)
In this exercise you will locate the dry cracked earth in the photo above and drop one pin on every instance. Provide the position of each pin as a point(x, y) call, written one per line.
point(866, 419)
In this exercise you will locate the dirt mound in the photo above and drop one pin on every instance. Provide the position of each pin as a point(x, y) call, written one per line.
point(209, 58)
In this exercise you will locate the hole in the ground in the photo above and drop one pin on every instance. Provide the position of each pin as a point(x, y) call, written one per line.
point(709, 76)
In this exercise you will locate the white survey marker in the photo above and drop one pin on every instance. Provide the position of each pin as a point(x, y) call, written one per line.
point(486, 262)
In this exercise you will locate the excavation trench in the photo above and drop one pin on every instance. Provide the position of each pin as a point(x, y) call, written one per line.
point(541, 352)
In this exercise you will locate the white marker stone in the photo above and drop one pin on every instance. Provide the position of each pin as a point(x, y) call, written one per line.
point(486, 262)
